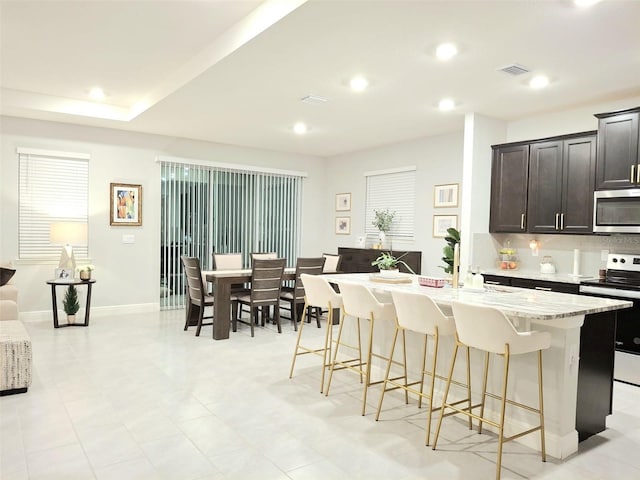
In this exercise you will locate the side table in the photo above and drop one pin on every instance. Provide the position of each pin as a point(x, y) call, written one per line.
point(54, 301)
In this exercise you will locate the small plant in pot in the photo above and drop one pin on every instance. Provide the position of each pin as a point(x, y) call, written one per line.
point(70, 303)
point(85, 272)
point(389, 264)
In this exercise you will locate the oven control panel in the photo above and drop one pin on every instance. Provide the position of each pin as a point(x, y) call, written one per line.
point(623, 261)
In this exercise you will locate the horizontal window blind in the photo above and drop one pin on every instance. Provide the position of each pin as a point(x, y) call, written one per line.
point(394, 191)
point(53, 187)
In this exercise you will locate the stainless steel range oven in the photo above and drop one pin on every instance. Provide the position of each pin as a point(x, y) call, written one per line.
point(622, 280)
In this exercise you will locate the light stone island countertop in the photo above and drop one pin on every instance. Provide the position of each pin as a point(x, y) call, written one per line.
point(516, 302)
point(533, 275)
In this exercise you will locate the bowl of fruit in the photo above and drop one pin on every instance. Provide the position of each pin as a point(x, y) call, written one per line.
point(507, 260)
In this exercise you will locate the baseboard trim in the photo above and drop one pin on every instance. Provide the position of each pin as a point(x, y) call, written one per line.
point(96, 312)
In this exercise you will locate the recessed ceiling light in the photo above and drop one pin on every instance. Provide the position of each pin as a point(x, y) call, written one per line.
point(300, 128)
point(97, 93)
point(359, 83)
point(539, 81)
point(446, 104)
point(585, 3)
point(446, 51)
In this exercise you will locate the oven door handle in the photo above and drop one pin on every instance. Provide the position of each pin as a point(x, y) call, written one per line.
point(610, 292)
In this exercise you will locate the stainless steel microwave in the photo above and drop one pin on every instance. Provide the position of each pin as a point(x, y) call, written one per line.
point(616, 211)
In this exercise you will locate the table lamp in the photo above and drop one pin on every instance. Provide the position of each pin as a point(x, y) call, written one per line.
point(68, 234)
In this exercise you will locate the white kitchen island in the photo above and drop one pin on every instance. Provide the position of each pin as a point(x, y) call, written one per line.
point(562, 315)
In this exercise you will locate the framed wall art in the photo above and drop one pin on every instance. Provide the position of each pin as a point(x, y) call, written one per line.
point(343, 225)
point(445, 195)
point(126, 205)
point(442, 222)
point(343, 202)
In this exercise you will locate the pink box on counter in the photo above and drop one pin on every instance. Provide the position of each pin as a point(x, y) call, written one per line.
point(436, 282)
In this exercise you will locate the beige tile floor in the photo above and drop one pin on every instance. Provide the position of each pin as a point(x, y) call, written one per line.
point(135, 397)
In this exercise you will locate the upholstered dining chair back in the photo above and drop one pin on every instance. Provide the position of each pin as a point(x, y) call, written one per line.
point(360, 302)
point(263, 256)
point(227, 261)
point(332, 263)
point(419, 313)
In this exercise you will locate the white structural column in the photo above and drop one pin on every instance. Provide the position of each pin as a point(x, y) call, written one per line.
point(480, 133)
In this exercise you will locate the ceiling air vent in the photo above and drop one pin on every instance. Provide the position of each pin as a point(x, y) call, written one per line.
point(514, 69)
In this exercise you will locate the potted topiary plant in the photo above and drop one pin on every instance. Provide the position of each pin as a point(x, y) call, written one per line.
point(382, 221)
point(70, 304)
point(388, 264)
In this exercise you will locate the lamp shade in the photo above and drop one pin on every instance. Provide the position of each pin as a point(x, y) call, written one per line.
point(68, 233)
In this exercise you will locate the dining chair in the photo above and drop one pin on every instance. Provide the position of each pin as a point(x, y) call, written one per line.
point(266, 285)
point(263, 256)
point(196, 296)
point(489, 330)
point(418, 314)
point(319, 294)
point(294, 296)
point(332, 263)
point(227, 261)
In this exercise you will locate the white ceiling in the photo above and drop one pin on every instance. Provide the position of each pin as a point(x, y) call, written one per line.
point(234, 71)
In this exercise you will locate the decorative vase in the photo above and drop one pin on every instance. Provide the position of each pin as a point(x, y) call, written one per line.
point(85, 275)
point(71, 319)
point(381, 239)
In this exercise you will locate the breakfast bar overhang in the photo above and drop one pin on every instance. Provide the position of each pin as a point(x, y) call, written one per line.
point(577, 369)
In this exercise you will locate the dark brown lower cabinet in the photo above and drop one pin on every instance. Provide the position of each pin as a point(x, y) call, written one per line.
point(358, 260)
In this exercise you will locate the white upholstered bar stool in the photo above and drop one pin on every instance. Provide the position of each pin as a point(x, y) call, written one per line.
point(489, 330)
point(318, 294)
point(359, 303)
point(419, 314)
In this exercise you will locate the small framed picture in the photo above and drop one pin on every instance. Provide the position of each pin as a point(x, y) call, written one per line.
point(126, 205)
point(63, 274)
point(445, 195)
point(343, 225)
point(442, 222)
point(343, 202)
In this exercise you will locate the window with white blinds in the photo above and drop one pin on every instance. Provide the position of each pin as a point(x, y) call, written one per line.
point(53, 187)
point(393, 190)
point(208, 209)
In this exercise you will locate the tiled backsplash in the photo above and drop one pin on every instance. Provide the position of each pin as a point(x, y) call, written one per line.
point(559, 247)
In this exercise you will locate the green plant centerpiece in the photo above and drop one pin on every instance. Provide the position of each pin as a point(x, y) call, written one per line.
point(387, 261)
point(452, 239)
point(382, 221)
point(70, 303)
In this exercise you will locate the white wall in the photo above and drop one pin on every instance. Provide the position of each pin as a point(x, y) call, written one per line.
point(127, 274)
point(438, 160)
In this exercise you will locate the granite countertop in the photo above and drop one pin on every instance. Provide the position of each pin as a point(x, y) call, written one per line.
point(516, 302)
point(533, 275)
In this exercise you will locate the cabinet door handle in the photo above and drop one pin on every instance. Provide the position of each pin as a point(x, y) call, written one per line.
point(637, 173)
point(562, 221)
point(544, 289)
point(557, 219)
point(633, 173)
point(492, 282)
point(522, 221)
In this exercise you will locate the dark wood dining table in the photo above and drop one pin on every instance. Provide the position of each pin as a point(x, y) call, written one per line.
point(222, 281)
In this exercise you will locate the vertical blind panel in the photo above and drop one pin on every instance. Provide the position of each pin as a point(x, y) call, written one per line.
point(213, 209)
point(51, 189)
point(395, 192)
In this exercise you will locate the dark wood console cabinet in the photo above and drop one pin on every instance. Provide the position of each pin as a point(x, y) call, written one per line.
point(358, 260)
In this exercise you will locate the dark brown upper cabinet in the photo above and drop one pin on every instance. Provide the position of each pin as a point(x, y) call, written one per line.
point(561, 183)
point(544, 186)
point(509, 179)
point(618, 164)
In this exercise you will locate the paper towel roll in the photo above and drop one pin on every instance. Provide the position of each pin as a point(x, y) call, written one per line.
point(576, 262)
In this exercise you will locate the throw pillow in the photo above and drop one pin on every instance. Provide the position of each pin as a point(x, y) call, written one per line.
point(5, 275)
